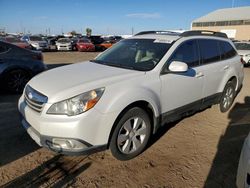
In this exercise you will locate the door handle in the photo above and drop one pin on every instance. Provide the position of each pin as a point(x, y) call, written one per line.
point(226, 67)
point(199, 74)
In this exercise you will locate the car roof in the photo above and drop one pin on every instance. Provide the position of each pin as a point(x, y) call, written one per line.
point(157, 36)
point(173, 36)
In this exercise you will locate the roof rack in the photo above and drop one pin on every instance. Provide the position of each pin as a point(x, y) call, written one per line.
point(203, 32)
point(157, 32)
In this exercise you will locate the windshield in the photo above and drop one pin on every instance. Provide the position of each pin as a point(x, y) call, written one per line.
point(64, 40)
point(137, 54)
point(242, 46)
point(84, 41)
point(36, 38)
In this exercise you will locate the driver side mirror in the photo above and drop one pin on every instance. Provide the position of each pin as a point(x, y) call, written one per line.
point(178, 66)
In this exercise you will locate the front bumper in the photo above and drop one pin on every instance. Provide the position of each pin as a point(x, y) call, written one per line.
point(81, 134)
point(246, 59)
point(67, 146)
point(67, 48)
point(243, 173)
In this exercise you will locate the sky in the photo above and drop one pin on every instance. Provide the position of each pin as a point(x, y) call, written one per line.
point(105, 17)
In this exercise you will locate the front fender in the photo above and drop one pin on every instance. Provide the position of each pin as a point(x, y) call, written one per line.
point(116, 100)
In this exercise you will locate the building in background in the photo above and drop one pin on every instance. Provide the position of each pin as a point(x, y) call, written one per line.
point(235, 22)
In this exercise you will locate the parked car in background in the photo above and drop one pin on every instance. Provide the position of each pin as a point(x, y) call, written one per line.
point(118, 38)
point(18, 66)
point(73, 43)
point(96, 39)
point(105, 45)
point(16, 41)
point(243, 49)
point(36, 42)
point(51, 40)
point(119, 99)
point(85, 45)
point(64, 44)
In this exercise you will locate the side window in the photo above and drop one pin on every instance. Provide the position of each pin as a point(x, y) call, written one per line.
point(210, 51)
point(187, 52)
point(227, 50)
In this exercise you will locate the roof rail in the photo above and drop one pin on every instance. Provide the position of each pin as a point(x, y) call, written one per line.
point(203, 32)
point(157, 32)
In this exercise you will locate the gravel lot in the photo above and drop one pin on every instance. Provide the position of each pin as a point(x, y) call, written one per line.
point(198, 151)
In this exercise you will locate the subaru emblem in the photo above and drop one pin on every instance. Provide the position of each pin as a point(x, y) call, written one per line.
point(30, 95)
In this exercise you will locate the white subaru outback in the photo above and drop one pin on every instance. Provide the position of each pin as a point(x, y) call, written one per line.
point(119, 99)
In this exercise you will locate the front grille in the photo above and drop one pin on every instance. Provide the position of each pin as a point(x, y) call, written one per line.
point(34, 99)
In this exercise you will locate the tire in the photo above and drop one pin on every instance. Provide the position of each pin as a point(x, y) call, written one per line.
point(131, 134)
point(227, 97)
point(15, 80)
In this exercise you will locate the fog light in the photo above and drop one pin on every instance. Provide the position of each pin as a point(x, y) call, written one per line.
point(68, 144)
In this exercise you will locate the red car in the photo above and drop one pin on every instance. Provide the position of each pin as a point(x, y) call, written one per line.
point(18, 42)
point(85, 45)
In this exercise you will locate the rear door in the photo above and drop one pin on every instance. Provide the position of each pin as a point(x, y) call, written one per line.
point(214, 68)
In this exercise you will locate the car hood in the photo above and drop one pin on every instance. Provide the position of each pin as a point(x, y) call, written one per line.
point(68, 81)
point(243, 52)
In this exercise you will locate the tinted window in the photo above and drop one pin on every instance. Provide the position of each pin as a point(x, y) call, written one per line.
point(227, 50)
point(188, 53)
point(209, 50)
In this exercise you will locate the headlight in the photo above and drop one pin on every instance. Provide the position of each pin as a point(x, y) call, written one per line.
point(78, 104)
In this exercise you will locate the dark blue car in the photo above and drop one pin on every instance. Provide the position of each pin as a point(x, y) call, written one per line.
point(18, 66)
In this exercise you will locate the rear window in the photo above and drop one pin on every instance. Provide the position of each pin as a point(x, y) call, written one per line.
point(210, 51)
point(227, 50)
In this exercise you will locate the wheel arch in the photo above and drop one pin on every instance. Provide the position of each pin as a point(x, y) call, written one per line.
point(145, 105)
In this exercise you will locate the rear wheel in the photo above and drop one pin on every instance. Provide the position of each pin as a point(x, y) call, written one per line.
point(227, 97)
point(131, 134)
point(15, 80)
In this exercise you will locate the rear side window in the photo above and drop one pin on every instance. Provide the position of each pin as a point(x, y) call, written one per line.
point(227, 50)
point(210, 51)
point(187, 52)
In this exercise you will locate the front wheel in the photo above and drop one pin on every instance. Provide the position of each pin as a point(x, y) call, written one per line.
point(227, 97)
point(16, 80)
point(131, 134)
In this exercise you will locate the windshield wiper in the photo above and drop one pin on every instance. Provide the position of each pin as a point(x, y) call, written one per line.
point(119, 65)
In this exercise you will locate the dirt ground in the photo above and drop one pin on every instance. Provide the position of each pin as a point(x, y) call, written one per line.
point(199, 151)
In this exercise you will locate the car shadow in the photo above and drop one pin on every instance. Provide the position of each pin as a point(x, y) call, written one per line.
point(56, 172)
point(224, 167)
point(14, 141)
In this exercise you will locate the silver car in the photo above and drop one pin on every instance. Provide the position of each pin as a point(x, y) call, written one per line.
point(36, 42)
